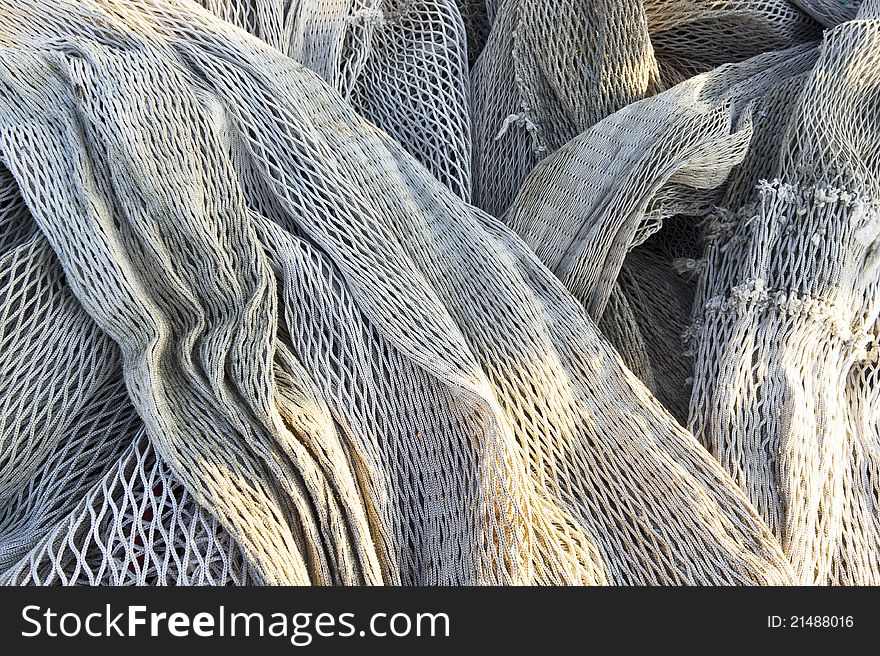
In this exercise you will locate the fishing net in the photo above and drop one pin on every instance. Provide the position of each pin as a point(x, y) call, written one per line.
point(856, 559)
point(660, 158)
point(403, 64)
point(475, 14)
point(830, 12)
point(692, 36)
point(252, 331)
point(785, 333)
point(359, 377)
point(543, 78)
point(551, 70)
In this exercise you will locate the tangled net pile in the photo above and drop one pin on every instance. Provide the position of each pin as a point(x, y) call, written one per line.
point(439, 292)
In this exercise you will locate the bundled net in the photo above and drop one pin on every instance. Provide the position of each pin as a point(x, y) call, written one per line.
point(785, 333)
point(253, 331)
point(362, 378)
point(661, 158)
point(551, 70)
point(554, 70)
point(830, 12)
point(402, 64)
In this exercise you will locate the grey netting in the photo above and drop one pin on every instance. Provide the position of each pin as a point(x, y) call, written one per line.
point(134, 525)
point(785, 385)
point(830, 12)
point(415, 86)
point(84, 499)
point(620, 326)
point(65, 410)
point(543, 78)
point(362, 378)
point(475, 14)
point(251, 331)
point(662, 299)
point(552, 69)
point(653, 160)
point(692, 36)
point(403, 64)
point(856, 560)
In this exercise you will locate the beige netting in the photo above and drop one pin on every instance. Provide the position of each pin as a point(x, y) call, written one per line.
point(551, 70)
point(786, 317)
point(554, 69)
point(403, 64)
point(253, 332)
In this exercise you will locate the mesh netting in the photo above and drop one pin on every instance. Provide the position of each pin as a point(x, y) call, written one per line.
point(363, 378)
point(403, 64)
point(659, 158)
point(692, 36)
point(830, 12)
point(133, 525)
point(551, 70)
point(252, 331)
point(543, 78)
point(787, 310)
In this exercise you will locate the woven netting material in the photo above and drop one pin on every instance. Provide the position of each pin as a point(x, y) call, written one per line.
point(400, 63)
point(358, 376)
point(552, 70)
point(830, 12)
point(249, 337)
point(785, 332)
point(656, 159)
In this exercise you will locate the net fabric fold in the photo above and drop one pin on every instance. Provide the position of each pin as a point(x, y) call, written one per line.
point(694, 36)
point(655, 159)
point(549, 71)
point(403, 64)
point(552, 69)
point(67, 423)
point(65, 412)
point(662, 298)
point(786, 320)
point(362, 378)
point(133, 525)
point(476, 16)
point(857, 554)
point(597, 200)
point(830, 12)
